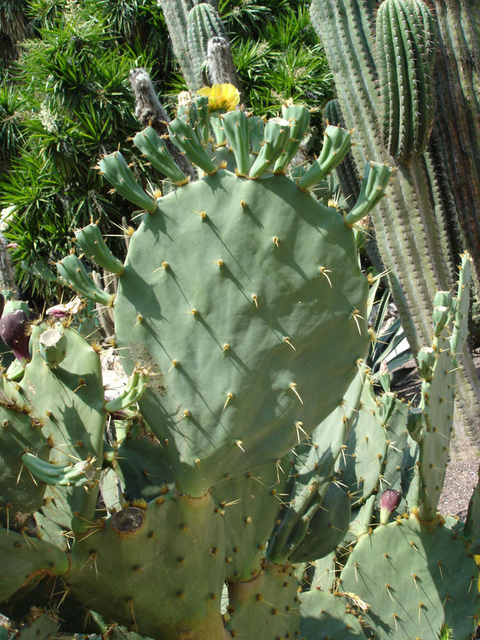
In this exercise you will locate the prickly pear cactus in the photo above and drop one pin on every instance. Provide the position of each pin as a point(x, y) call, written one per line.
point(227, 294)
point(220, 472)
point(400, 562)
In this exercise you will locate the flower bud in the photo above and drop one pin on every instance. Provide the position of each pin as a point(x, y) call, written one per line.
point(388, 503)
point(426, 359)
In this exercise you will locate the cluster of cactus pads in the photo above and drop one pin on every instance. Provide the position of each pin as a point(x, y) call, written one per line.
point(247, 483)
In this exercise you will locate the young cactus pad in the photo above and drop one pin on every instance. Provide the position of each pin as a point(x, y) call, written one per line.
point(243, 297)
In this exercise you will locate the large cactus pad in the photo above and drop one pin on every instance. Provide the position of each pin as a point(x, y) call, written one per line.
point(248, 299)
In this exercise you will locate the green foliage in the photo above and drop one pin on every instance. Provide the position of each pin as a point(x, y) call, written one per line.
point(12, 104)
point(280, 59)
point(66, 104)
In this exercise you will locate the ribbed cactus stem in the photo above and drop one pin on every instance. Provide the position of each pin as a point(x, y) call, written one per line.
point(175, 13)
point(457, 108)
point(405, 56)
point(221, 69)
point(411, 224)
point(203, 25)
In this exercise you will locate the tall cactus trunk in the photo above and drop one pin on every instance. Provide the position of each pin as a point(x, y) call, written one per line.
point(200, 43)
point(457, 106)
point(412, 224)
point(176, 15)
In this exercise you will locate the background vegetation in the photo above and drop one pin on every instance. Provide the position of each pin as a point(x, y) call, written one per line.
point(65, 100)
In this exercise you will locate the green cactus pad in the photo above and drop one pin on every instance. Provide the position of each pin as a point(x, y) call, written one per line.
point(336, 144)
point(202, 121)
point(38, 625)
point(257, 127)
point(396, 434)
point(20, 495)
point(472, 524)
point(438, 404)
point(52, 345)
point(142, 464)
point(156, 151)
point(24, 558)
point(327, 527)
point(360, 523)
point(299, 118)
point(118, 173)
point(327, 615)
point(75, 475)
point(72, 272)
point(276, 140)
point(236, 126)
point(225, 294)
point(462, 306)
point(132, 392)
point(249, 505)
point(312, 473)
point(91, 241)
point(68, 400)
point(375, 181)
point(323, 572)
point(347, 173)
point(294, 519)
point(415, 578)
point(185, 139)
point(158, 570)
point(361, 464)
point(426, 360)
point(260, 607)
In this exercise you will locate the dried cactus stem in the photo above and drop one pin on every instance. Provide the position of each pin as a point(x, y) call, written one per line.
point(150, 112)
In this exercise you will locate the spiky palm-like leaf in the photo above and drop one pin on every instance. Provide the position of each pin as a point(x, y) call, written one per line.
point(77, 105)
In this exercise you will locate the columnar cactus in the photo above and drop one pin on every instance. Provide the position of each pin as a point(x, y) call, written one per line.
point(382, 63)
point(240, 317)
point(200, 43)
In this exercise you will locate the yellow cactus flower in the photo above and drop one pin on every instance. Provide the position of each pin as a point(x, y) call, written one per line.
point(221, 96)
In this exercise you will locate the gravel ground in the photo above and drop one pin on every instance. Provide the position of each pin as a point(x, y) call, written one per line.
point(460, 481)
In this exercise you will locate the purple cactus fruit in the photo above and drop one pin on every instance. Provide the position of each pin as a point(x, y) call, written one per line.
point(13, 331)
point(388, 503)
point(2, 304)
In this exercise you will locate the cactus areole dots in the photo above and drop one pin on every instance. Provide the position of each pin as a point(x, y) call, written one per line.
point(263, 293)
